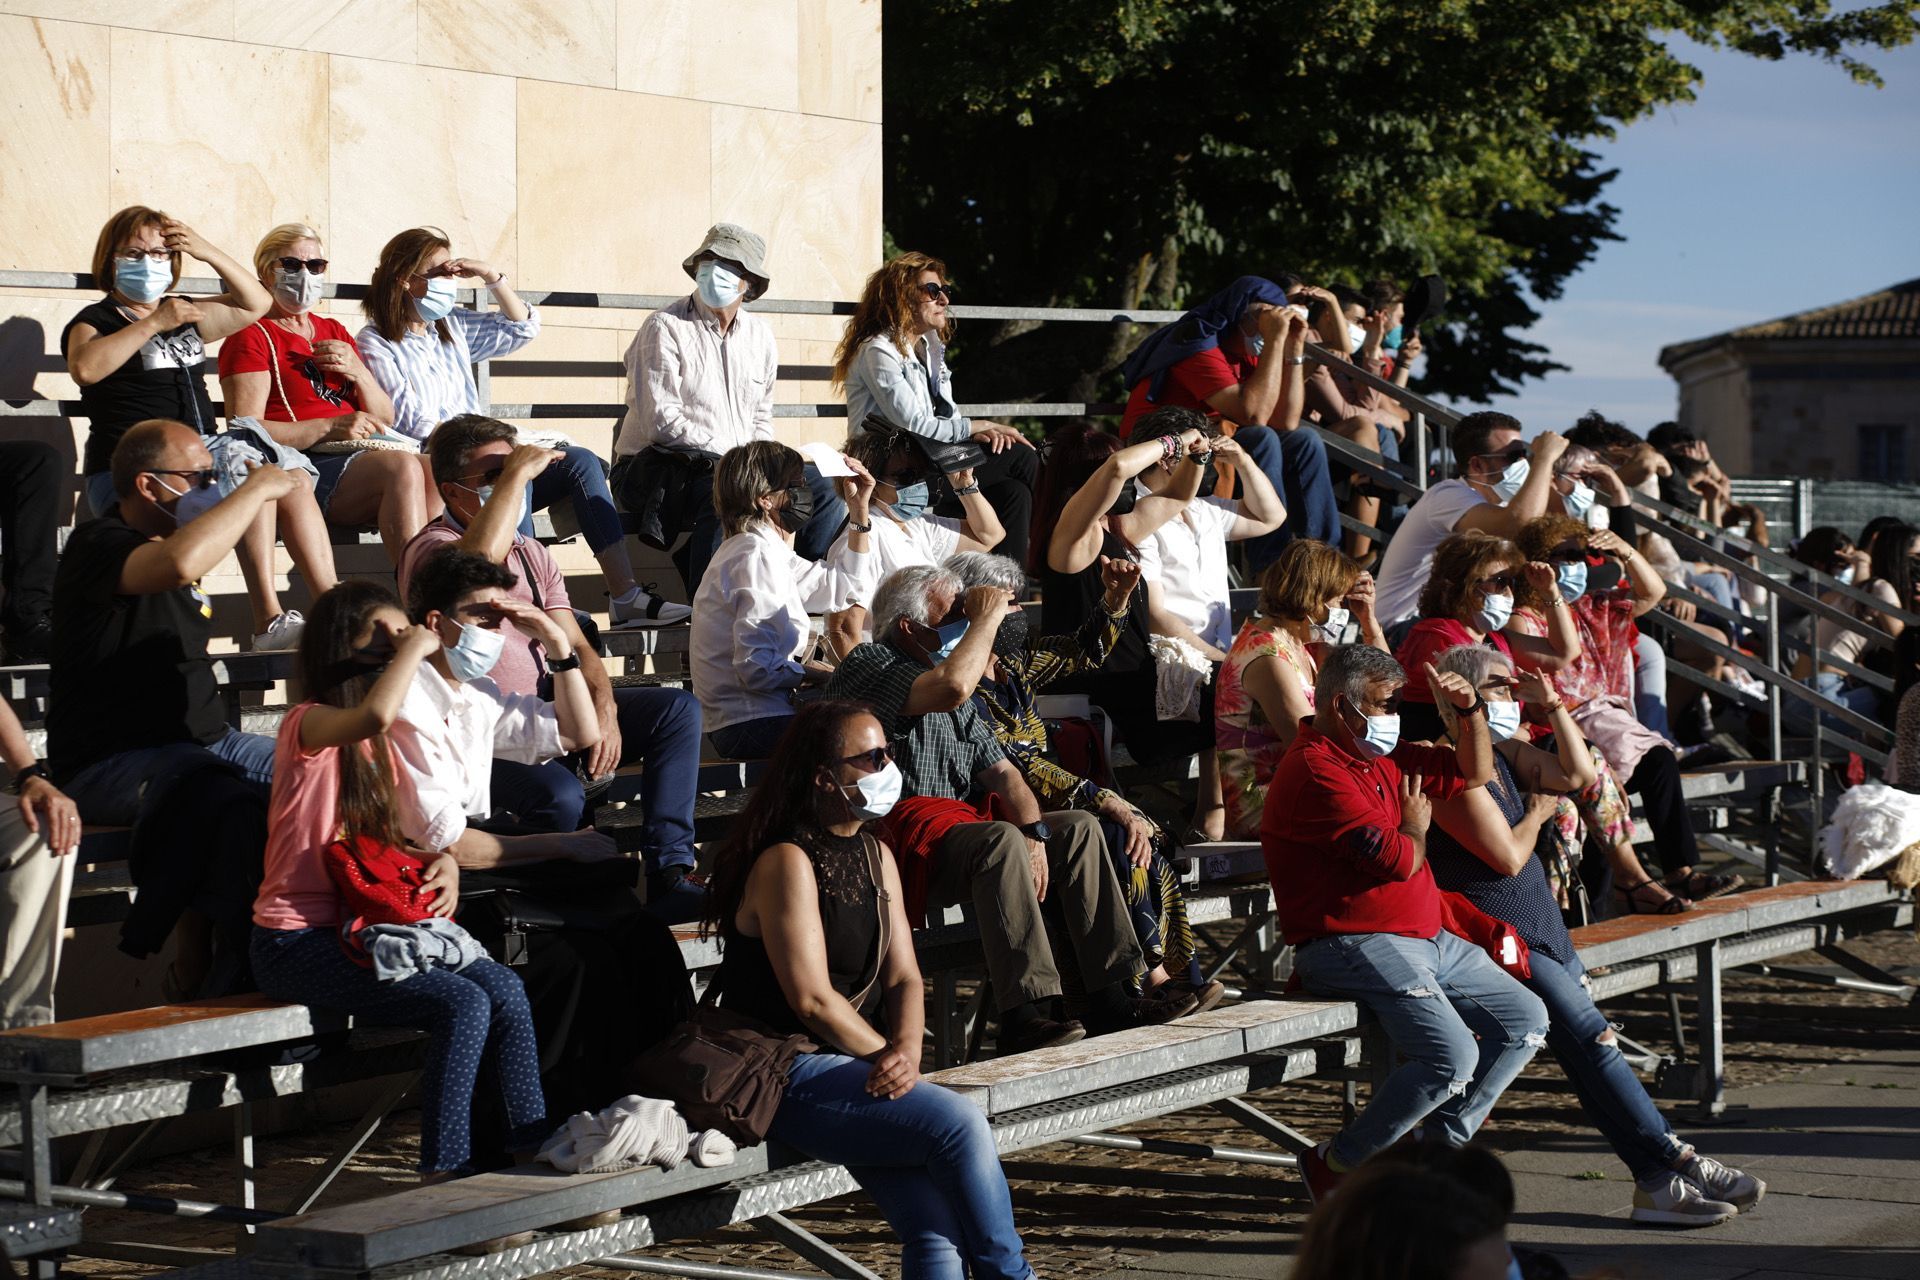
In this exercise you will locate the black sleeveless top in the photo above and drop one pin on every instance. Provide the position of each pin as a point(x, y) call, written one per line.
point(1069, 599)
point(850, 919)
point(1523, 900)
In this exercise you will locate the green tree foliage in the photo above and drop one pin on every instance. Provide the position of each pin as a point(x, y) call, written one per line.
point(1140, 153)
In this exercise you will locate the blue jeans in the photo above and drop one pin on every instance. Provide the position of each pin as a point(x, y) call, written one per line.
point(1863, 699)
point(829, 513)
point(479, 1012)
point(1296, 463)
point(1610, 1093)
point(120, 790)
point(660, 729)
point(750, 739)
point(580, 477)
point(1650, 685)
point(927, 1159)
point(1433, 997)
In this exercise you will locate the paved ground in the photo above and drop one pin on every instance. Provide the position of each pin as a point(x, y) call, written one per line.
point(1830, 1083)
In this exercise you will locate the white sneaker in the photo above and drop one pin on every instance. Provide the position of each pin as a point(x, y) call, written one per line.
point(1717, 1182)
point(646, 610)
point(1678, 1203)
point(281, 634)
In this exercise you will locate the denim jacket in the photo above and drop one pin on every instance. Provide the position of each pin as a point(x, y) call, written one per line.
point(901, 390)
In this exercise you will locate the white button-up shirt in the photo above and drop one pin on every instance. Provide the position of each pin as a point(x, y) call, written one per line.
point(751, 623)
point(444, 744)
point(430, 380)
point(690, 385)
point(1187, 559)
point(913, 392)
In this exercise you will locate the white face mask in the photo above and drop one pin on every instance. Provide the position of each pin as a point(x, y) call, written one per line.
point(1511, 479)
point(1495, 612)
point(876, 793)
point(475, 652)
point(1844, 577)
point(1381, 735)
point(298, 290)
point(1503, 720)
point(1330, 631)
point(1358, 334)
point(719, 287)
point(1741, 529)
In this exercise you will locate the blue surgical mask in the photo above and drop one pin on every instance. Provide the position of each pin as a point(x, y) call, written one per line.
point(719, 287)
point(1382, 735)
point(1512, 479)
point(1572, 579)
point(475, 652)
point(1391, 341)
point(193, 503)
point(1256, 343)
point(910, 503)
point(438, 301)
point(1579, 502)
point(1513, 1267)
point(949, 639)
point(1503, 720)
point(144, 280)
point(1494, 612)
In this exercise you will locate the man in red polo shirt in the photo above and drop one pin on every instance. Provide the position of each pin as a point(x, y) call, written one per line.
point(1344, 836)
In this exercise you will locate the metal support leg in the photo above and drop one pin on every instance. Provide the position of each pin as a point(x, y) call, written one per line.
point(368, 1126)
point(243, 1158)
point(1679, 1025)
point(128, 1154)
point(36, 1154)
point(1706, 982)
point(1872, 976)
point(943, 1016)
point(1251, 1117)
point(1189, 1150)
point(812, 1248)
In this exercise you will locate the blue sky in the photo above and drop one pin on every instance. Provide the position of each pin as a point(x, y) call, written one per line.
point(1783, 186)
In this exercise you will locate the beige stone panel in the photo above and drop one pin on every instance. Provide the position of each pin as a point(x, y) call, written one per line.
point(614, 188)
point(739, 51)
point(211, 18)
point(840, 58)
point(381, 29)
point(53, 151)
point(230, 138)
point(811, 186)
point(567, 40)
point(416, 146)
point(590, 359)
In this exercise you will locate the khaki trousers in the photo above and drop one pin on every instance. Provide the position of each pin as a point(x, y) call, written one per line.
point(33, 908)
point(985, 864)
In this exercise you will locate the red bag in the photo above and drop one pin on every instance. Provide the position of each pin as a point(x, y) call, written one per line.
point(1497, 938)
point(378, 883)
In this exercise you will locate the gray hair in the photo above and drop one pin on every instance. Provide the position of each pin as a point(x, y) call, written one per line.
point(984, 569)
point(1474, 661)
point(1348, 669)
point(908, 593)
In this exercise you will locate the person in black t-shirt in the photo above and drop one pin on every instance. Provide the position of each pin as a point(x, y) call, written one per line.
point(139, 354)
point(134, 715)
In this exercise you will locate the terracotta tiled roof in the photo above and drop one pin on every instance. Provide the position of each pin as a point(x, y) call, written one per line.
point(1892, 313)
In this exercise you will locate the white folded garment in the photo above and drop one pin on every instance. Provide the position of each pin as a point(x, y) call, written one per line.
point(631, 1132)
point(1180, 671)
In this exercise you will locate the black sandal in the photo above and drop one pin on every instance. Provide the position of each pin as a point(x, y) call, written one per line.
point(1702, 885)
point(1673, 905)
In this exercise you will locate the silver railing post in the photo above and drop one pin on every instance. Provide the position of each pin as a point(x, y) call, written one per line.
point(1816, 780)
point(1419, 450)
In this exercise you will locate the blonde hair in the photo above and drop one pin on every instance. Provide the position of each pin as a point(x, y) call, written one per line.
point(276, 243)
point(121, 226)
point(746, 473)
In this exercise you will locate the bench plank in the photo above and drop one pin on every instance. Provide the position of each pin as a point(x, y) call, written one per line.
point(165, 1033)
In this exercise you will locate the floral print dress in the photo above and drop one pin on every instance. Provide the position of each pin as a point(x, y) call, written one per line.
point(1249, 747)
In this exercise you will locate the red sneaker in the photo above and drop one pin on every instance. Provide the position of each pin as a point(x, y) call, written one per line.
point(1319, 1176)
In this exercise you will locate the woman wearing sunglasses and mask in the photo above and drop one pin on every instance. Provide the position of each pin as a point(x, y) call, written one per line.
point(809, 905)
point(300, 373)
point(892, 363)
point(752, 624)
point(141, 353)
point(1469, 600)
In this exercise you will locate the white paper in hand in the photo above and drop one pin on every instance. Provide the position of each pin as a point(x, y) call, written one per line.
point(826, 459)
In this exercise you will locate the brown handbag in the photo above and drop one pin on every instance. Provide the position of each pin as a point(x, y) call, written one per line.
point(727, 1071)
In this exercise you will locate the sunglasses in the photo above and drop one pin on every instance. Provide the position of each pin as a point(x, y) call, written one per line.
point(1509, 457)
point(1573, 555)
point(1499, 584)
point(490, 476)
point(869, 761)
point(152, 255)
point(936, 290)
point(318, 266)
point(200, 479)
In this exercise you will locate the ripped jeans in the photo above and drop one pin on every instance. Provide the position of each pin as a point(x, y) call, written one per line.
point(1610, 1093)
point(1464, 1028)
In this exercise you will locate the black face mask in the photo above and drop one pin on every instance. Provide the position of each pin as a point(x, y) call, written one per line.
point(1010, 641)
point(799, 509)
point(1208, 479)
point(1124, 503)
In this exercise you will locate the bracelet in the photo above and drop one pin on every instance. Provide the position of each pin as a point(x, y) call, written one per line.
point(1169, 445)
point(1556, 600)
point(1296, 361)
point(857, 527)
point(967, 492)
point(1548, 708)
point(569, 663)
point(1200, 459)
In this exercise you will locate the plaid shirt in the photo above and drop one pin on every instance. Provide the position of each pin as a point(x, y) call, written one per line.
point(1010, 703)
point(939, 753)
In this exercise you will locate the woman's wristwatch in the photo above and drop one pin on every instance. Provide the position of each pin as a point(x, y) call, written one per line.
point(857, 527)
point(28, 774)
point(967, 492)
point(569, 663)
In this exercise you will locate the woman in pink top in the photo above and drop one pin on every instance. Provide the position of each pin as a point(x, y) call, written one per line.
point(333, 779)
point(1266, 684)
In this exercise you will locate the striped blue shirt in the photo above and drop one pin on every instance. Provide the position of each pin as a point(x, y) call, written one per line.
point(431, 380)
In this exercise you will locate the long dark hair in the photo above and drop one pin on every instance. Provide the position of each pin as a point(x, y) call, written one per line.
point(786, 804)
point(331, 675)
point(1891, 543)
point(1395, 1222)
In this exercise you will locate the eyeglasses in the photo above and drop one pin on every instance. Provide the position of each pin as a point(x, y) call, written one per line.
point(201, 479)
point(318, 266)
point(869, 761)
point(152, 255)
point(1500, 584)
point(934, 289)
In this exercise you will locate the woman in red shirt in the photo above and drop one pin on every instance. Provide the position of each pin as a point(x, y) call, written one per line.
point(300, 373)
